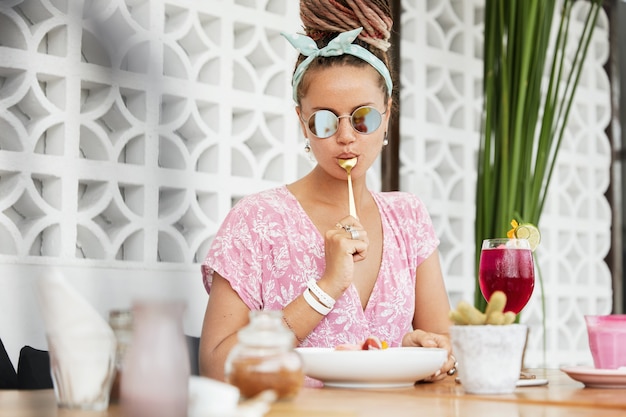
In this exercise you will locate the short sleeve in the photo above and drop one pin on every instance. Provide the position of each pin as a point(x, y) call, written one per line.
point(267, 249)
point(410, 224)
point(234, 252)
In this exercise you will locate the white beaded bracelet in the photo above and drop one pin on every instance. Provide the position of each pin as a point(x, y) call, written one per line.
point(321, 295)
point(315, 305)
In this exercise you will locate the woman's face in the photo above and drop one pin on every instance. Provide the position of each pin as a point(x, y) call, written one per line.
point(342, 90)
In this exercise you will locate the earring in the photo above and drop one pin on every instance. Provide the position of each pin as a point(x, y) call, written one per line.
point(385, 141)
point(307, 146)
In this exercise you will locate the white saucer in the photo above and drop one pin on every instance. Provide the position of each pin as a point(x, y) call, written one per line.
point(526, 382)
point(531, 382)
point(597, 378)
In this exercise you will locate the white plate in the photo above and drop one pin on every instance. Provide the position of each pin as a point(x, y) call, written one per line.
point(597, 378)
point(387, 368)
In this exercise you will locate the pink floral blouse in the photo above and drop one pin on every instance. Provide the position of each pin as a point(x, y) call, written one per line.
point(268, 248)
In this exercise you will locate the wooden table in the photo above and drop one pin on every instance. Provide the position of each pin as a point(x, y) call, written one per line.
point(562, 397)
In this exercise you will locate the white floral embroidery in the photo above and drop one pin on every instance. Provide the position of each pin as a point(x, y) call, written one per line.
point(268, 248)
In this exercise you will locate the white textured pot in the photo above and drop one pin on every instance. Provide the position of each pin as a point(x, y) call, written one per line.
point(489, 357)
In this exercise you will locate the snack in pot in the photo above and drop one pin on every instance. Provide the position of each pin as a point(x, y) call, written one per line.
point(466, 313)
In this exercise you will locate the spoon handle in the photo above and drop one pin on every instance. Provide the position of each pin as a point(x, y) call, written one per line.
point(351, 198)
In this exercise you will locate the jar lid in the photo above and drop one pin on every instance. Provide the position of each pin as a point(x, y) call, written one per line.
point(266, 329)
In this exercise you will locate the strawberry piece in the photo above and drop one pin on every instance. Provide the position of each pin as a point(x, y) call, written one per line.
point(372, 343)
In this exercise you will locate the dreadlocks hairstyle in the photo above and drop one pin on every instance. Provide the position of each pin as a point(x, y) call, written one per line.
point(323, 20)
point(319, 16)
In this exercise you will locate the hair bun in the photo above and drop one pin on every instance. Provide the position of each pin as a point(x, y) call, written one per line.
point(374, 16)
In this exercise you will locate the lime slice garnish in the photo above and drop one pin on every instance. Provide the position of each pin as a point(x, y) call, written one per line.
point(530, 232)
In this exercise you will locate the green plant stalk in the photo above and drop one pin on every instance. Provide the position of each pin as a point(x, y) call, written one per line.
point(572, 83)
point(523, 125)
point(484, 168)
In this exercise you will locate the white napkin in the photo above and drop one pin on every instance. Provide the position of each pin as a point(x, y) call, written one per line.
point(80, 342)
point(211, 398)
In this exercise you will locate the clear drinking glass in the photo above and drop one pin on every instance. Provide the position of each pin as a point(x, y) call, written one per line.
point(507, 265)
point(82, 367)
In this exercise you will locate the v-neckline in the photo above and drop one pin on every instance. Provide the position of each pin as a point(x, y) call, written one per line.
point(354, 294)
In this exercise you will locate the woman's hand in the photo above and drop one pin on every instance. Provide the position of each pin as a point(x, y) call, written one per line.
point(421, 338)
point(344, 245)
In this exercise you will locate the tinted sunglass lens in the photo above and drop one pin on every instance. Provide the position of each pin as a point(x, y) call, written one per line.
point(366, 119)
point(323, 123)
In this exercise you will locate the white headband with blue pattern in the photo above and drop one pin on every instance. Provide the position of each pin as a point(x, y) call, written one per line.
point(340, 45)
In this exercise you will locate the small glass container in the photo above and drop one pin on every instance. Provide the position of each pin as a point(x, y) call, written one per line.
point(264, 358)
point(121, 321)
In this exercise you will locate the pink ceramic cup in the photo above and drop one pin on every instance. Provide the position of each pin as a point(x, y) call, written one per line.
point(607, 340)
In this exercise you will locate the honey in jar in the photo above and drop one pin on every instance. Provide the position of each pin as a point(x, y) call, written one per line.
point(264, 358)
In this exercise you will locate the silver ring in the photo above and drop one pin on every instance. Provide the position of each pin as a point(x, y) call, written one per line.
point(452, 370)
point(354, 234)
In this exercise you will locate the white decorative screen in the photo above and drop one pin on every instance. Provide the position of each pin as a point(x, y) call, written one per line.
point(128, 128)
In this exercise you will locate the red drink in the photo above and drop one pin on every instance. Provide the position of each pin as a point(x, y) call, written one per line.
point(509, 270)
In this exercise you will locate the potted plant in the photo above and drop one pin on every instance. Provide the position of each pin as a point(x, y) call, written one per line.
point(530, 80)
point(489, 346)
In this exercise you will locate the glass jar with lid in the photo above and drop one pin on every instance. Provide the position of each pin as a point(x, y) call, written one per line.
point(264, 358)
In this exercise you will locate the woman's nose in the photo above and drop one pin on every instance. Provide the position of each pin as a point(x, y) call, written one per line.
point(345, 131)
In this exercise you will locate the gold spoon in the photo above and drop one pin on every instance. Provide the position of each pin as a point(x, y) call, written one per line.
point(348, 164)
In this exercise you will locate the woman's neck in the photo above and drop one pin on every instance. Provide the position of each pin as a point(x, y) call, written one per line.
point(319, 188)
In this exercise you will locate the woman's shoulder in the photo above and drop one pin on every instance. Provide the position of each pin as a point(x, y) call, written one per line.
point(407, 216)
point(397, 200)
point(274, 198)
point(401, 207)
point(256, 213)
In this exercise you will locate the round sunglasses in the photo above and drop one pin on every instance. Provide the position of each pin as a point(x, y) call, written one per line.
point(324, 123)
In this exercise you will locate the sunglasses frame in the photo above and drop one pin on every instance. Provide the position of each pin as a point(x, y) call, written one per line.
point(307, 122)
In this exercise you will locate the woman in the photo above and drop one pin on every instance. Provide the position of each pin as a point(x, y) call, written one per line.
point(337, 278)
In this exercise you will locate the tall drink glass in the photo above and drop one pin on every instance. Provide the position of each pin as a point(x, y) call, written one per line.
point(507, 265)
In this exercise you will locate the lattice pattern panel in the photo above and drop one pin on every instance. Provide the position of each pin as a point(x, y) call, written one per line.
point(128, 128)
point(441, 108)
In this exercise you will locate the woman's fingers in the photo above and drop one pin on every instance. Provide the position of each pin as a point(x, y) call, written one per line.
point(352, 229)
point(352, 240)
point(426, 339)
